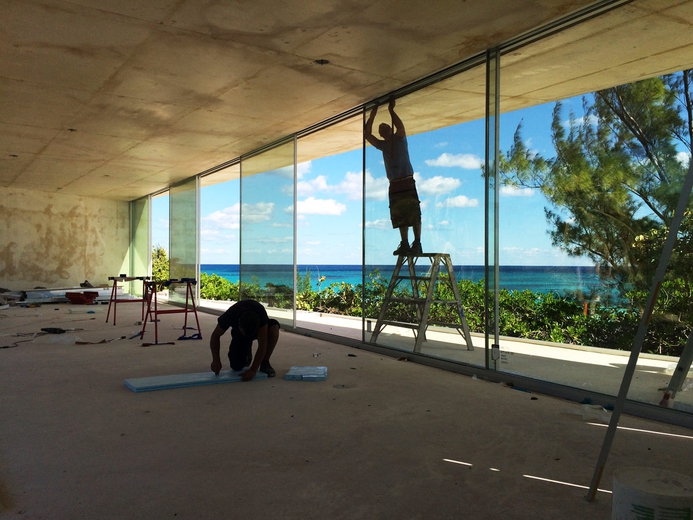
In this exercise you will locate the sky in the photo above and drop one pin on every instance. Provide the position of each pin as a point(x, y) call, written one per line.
point(447, 165)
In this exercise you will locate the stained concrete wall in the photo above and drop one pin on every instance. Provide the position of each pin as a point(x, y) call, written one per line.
point(54, 240)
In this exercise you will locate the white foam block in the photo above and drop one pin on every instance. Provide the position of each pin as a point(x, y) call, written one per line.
point(147, 384)
point(306, 374)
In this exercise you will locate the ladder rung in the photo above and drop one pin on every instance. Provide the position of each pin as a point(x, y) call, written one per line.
point(414, 326)
point(407, 277)
point(407, 300)
point(411, 299)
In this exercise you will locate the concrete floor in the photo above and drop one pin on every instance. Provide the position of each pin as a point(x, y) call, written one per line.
point(380, 439)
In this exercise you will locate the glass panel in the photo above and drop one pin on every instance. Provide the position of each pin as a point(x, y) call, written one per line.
point(220, 211)
point(183, 238)
point(592, 165)
point(329, 231)
point(140, 256)
point(444, 125)
point(160, 236)
point(267, 230)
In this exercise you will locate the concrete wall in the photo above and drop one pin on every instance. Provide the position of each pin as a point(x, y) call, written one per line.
point(54, 240)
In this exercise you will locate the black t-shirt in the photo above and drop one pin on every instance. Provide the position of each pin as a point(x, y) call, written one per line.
point(230, 317)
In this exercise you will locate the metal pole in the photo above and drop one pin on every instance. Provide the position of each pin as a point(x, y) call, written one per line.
point(642, 330)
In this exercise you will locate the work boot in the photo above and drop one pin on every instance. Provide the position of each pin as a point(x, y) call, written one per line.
point(403, 249)
point(267, 369)
point(416, 248)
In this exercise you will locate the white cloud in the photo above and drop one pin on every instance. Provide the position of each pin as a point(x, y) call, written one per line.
point(260, 212)
point(307, 188)
point(684, 158)
point(303, 168)
point(376, 189)
point(441, 145)
point(513, 191)
point(351, 186)
point(227, 218)
point(466, 161)
point(461, 201)
point(592, 120)
point(382, 223)
point(274, 240)
point(437, 185)
point(313, 206)
point(285, 172)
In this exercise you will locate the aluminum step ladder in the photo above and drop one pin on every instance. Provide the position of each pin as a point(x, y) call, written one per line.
point(421, 295)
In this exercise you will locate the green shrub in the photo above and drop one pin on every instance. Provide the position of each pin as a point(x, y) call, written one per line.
point(523, 314)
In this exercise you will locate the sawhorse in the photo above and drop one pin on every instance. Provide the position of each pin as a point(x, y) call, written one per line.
point(422, 303)
point(153, 313)
point(114, 300)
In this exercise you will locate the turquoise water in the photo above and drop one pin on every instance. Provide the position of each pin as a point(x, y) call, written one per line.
point(542, 279)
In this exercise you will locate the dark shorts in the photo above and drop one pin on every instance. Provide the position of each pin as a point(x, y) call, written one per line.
point(241, 348)
point(405, 209)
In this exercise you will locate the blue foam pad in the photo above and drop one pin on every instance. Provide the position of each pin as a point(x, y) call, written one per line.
point(306, 374)
point(147, 384)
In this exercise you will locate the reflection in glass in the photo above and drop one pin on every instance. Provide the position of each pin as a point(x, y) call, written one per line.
point(329, 232)
point(183, 237)
point(220, 214)
point(589, 185)
point(140, 255)
point(267, 229)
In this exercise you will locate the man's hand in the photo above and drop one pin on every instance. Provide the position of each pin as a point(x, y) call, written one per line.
point(248, 374)
point(391, 105)
point(216, 366)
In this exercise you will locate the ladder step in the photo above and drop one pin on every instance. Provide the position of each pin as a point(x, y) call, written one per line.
point(411, 299)
point(441, 271)
point(407, 300)
point(405, 324)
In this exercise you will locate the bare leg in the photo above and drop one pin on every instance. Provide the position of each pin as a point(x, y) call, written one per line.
point(404, 232)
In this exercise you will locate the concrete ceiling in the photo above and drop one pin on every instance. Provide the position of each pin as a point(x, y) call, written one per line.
point(121, 98)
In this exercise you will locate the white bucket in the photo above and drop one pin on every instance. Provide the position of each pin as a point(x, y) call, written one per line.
point(651, 494)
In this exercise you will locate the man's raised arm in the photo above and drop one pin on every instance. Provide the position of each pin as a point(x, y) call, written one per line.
point(396, 121)
point(368, 129)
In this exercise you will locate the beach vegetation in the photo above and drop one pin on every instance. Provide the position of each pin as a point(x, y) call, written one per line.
point(160, 264)
point(547, 317)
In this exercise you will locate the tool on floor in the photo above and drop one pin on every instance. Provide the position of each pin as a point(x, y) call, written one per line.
point(162, 343)
point(421, 304)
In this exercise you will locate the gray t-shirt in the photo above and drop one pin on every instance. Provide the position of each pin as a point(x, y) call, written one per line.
point(396, 156)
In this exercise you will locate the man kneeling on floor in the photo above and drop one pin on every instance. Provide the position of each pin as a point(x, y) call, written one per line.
point(248, 321)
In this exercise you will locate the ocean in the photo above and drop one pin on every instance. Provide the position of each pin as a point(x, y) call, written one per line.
point(541, 279)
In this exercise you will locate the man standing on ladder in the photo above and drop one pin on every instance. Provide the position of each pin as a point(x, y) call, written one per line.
point(405, 209)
